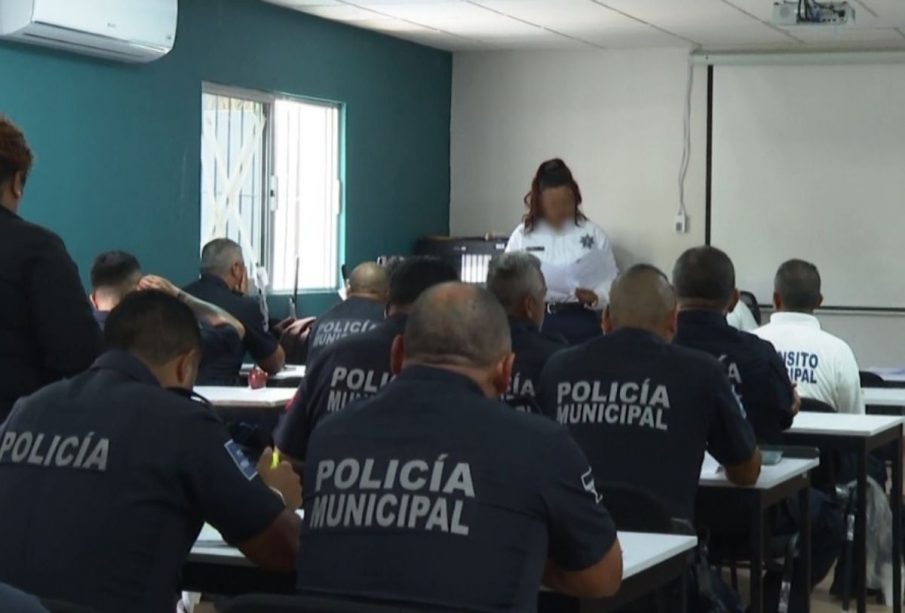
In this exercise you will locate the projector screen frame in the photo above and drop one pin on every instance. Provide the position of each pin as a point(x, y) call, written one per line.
point(708, 206)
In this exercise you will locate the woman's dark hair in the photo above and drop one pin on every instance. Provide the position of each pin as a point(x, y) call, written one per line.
point(552, 173)
point(15, 156)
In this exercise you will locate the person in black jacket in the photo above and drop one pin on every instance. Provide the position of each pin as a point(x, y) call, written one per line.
point(46, 323)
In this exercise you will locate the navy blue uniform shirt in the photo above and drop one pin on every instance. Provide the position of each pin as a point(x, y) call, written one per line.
point(258, 341)
point(532, 349)
point(107, 479)
point(46, 325)
point(432, 493)
point(216, 341)
point(348, 318)
point(644, 412)
point(356, 367)
point(756, 371)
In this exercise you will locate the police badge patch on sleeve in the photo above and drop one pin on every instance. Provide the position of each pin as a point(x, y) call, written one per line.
point(587, 481)
point(245, 466)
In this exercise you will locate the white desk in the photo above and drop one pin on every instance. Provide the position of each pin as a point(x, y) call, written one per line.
point(640, 550)
point(788, 478)
point(643, 550)
point(844, 424)
point(770, 476)
point(884, 396)
point(650, 561)
point(244, 397)
point(861, 434)
point(290, 372)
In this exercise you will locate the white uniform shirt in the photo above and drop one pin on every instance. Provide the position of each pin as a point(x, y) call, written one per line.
point(741, 318)
point(566, 246)
point(823, 366)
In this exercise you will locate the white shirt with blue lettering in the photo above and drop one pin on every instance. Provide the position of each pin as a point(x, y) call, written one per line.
point(822, 365)
point(566, 246)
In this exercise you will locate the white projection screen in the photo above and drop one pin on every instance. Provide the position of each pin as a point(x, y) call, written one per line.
point(808, 161)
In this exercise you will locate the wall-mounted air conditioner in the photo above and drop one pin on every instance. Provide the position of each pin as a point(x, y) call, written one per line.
point(124, 30)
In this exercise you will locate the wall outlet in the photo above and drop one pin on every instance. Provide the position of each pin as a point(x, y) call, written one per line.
point(681, 225)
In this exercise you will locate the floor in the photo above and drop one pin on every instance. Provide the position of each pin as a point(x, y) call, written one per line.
point(821, 601)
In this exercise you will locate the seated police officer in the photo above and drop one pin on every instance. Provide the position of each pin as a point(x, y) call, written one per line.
point(517, 282)
point(704, 278)
point(114, 471)
point(822, 366)
point(362, 309)
point(631, 396)
point(113, 275)
point(357, 367)
point(224, 282)
point(433, 492)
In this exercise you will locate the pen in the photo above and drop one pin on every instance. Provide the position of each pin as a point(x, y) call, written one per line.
point(276, 459)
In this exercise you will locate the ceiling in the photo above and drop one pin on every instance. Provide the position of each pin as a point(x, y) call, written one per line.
point(711, 25)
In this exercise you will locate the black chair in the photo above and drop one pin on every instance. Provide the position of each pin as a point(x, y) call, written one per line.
point(272, 603)
point(871, 379)
point(781, 549)
point(750, 301)
point(636, 510)
point(810, 405)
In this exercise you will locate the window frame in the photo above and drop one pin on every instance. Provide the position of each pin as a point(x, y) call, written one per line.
point(268, 100)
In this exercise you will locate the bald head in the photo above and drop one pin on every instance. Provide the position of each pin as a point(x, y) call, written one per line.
point(369, 280)
point(454, 324)
point(643, 298)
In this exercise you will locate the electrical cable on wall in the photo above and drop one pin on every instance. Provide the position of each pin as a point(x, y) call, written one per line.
point(682, 214)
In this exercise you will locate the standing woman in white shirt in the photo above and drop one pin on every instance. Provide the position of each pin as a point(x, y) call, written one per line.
point(557, 232)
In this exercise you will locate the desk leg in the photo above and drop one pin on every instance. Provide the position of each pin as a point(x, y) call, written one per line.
point(683, 593)
point(861, 532)
point(897, 526)
point(757, 557)
point(804, 540)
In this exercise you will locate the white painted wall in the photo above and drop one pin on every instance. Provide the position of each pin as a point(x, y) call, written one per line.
point(616, 118)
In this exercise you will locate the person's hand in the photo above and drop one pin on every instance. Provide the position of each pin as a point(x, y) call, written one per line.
point(153, 282)
point(282, 479)
point(796, 400)
point(299, 326)
point(586, 297)
point(242, 286)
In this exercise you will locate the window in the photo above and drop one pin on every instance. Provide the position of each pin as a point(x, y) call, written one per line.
point(270, 181)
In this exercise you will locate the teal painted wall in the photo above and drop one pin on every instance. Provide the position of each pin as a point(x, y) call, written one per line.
point(118, 146)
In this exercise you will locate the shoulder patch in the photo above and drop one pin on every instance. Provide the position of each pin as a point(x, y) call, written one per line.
point(238, 456)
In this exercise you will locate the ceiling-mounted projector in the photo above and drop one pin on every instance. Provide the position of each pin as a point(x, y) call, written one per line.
point(812, 13)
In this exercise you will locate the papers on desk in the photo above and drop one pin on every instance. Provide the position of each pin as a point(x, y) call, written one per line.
point(588, 272)
point(210, 537)
point(710, 466)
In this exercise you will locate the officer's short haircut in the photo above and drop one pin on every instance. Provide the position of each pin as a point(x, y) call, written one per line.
point(512, 276)
point(413, 276)
point(705, 274)
point(641, 297)
point(369, 277)
point(798, 284)
point(218, 256)
point(113, 269)
point(457, 324)
point(153, 325)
